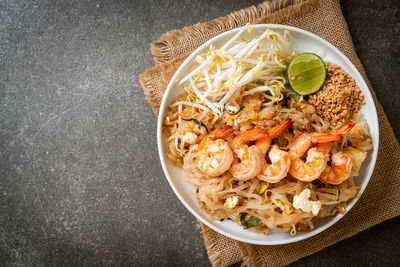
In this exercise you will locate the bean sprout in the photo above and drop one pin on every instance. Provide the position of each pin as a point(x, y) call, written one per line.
point(240, 68)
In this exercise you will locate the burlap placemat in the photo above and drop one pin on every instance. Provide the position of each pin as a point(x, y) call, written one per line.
point(381, 199)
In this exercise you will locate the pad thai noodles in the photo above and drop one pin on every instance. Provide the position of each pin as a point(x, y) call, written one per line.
point(258, 153)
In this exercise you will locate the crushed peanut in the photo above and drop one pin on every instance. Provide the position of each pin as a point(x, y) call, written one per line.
point(340, 98)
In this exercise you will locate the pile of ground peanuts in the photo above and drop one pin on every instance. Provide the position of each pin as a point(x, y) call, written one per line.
point(339, 99)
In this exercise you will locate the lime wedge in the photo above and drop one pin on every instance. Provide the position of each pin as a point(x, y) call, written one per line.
point(306, 73)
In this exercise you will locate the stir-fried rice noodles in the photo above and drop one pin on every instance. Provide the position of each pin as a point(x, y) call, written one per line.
point(251, 73)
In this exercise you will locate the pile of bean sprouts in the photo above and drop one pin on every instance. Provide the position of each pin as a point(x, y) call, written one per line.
point(240, 68)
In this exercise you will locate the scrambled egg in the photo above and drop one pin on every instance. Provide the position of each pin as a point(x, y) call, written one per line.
point(231, 202)
point(285, 208)
point(357, 158)
point(264, 186)
point(302, 202)
point(189, 138)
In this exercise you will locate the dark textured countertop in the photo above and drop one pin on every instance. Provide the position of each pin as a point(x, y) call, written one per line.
point(80, 179)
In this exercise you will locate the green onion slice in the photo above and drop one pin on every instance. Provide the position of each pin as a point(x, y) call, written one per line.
point(249, 223)
point(197, 122)
point(235, 113)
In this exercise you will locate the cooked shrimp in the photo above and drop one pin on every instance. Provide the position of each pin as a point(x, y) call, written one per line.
point(264, 143)
point(341, 163)
point(280, 161)
point(214, 156)
point(342, 130)
point(315, 163)
point(339, 170)
point(248, 161)
point(279, 167)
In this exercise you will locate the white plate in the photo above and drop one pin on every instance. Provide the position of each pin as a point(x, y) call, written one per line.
point(303, 42)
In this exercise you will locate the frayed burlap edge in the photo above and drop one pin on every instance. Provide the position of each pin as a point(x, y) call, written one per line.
point(158, 77)
point(217, 256)
point(152, 96)
point(214, 258)
point(167, 46)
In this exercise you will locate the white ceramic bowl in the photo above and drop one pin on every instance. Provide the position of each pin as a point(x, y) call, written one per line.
point(303, 42)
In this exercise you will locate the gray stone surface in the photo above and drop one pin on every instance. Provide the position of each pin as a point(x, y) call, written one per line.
point(80, 179)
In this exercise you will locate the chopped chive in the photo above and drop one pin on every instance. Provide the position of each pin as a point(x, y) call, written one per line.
point(235, 113)
point(197, 122)
point(249, 223)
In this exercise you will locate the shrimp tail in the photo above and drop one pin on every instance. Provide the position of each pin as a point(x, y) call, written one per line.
point(280, 129)
point(264, 143)
point(304, 142)
point(248, 136)
point(216, 134)
point(344, 129)
point(222, 133)
point(325, 137)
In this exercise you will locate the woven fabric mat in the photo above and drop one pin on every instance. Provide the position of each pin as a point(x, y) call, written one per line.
point(381, 199)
